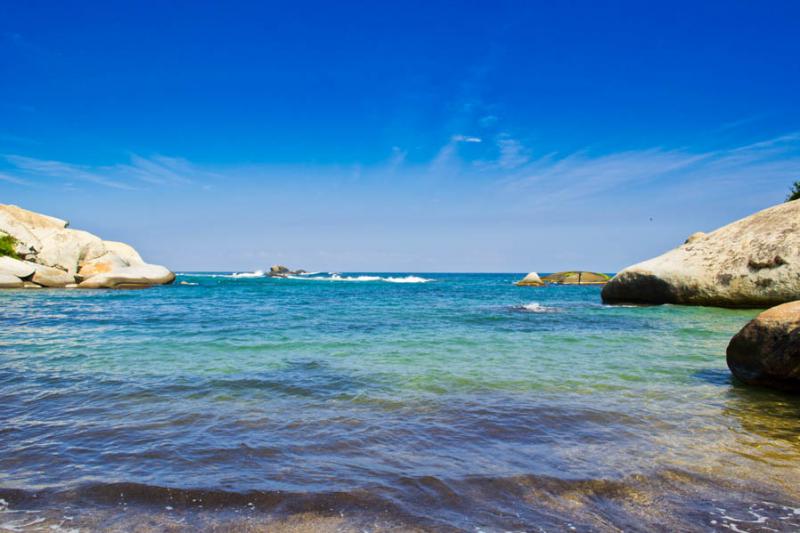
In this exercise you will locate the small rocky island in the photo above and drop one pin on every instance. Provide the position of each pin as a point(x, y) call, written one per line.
point(38, 251)
point(576, 277)
point(280, 271)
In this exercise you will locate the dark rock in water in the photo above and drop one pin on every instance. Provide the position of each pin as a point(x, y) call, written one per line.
point(753, 262)
point(280, 271)
point(577, 277)
point(767, 350)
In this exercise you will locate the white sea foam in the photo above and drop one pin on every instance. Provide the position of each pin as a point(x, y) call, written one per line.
point(315, 276)
point(536, 307)
point(235, 275)
point(256, 274)
point(408, 279)
point(339, 277)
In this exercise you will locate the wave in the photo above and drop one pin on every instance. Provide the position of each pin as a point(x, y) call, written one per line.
point(256, 274)
point(234, 275)
point(339, 277)
point(408, 279)
point(535, 307)
point(315, 276)
point(423, 502)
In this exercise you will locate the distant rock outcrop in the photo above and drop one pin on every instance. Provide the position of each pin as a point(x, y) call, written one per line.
point(280, 271)
point(753, 262)
point(46, 253)
point(577, 277)
point(531, 280)
point(767, 350)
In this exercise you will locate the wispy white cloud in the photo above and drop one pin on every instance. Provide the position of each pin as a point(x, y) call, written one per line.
point(57, 169)
point(466, 139)
point(138, 172)
point(12, 179)
point(581, 174)
point(512, 153)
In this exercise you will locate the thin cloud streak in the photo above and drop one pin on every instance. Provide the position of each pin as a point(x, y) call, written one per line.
point(58, 169)
point(140, 171)
point(579, 175)
point(12, 179)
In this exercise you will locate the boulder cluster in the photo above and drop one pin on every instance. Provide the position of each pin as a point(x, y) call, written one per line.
point(751, 263)
point(42, 251)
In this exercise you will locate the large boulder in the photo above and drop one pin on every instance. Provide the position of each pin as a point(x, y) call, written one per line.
point(104, 264)
point(31, 220)
point(15, 267)
point(52, 277)
point(8, 281)
point(531, 280)
point(124, 252)
point(753, 262)
point(66, 249)
point(27, 228)
point(130, 278)
point(767, 350)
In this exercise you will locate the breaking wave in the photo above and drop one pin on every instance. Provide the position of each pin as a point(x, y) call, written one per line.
point(535, 307)
point(256, 274)
point(339, 277)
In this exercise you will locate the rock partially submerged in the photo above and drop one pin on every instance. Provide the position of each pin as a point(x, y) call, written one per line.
point(767, 350)
point(753, 262)
point(49, 254)
point(280, 271)
point(577, 277)
point(531, 280)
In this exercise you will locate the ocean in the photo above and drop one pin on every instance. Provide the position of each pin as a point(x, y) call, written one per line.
point(423, 402)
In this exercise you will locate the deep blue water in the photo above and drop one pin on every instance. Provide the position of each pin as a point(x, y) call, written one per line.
point(461, 403)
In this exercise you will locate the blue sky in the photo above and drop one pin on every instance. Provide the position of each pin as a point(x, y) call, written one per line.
point(407, 136)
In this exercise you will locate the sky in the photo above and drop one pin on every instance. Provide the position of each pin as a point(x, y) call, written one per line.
point(399, 136)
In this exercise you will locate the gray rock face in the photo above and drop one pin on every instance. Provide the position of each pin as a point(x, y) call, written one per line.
point(57, 256)
point(767, 350)
point(753, 262)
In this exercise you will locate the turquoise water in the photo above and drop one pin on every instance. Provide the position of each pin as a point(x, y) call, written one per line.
point(458, 403)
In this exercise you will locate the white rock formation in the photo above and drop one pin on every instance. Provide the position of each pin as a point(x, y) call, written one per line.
point(8, 281)
point(53, 255)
